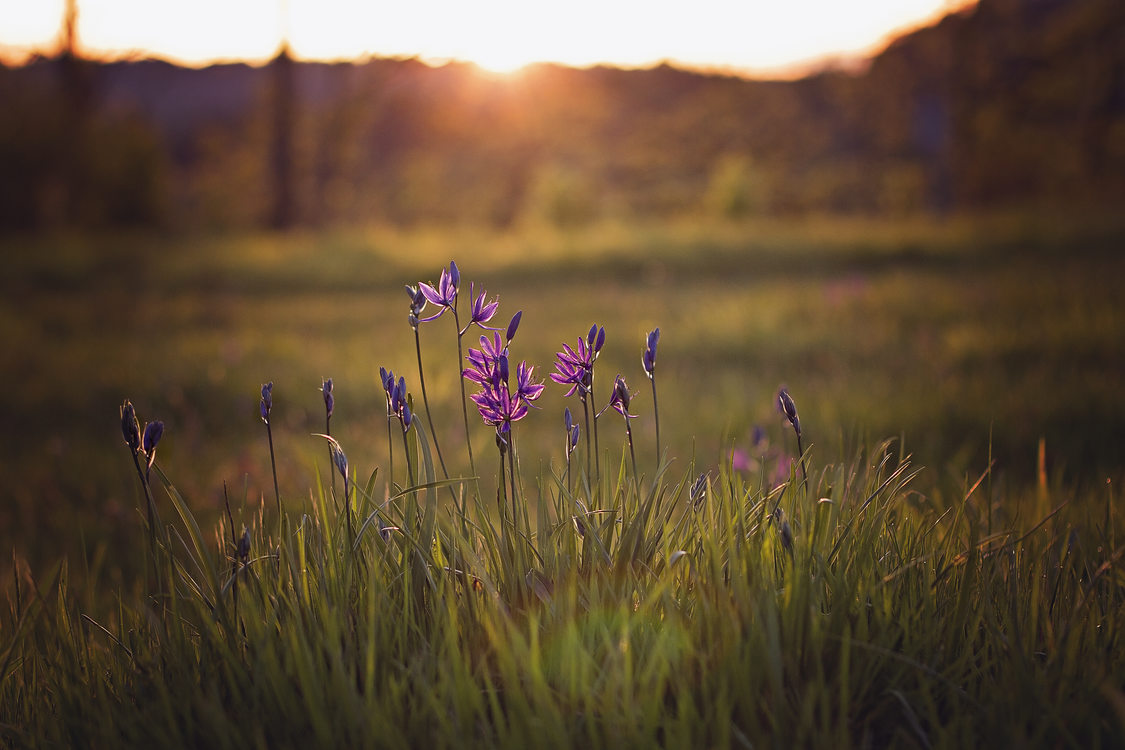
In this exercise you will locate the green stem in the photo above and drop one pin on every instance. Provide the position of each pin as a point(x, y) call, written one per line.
point(632, 455)
point(426, 403)
point(328, 432)
point(464, 399)
point(276, 488)
point(409, 466)
point(390, 458)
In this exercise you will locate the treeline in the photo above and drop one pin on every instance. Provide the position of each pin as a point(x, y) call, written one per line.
point(1017, 102)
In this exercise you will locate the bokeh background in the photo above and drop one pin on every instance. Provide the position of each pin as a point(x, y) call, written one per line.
point(924, 242)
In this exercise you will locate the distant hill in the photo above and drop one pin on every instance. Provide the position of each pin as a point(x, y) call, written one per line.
point(1017, 102)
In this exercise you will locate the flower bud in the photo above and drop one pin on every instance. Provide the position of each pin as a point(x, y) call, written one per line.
point(512, 326)
point(130, 430)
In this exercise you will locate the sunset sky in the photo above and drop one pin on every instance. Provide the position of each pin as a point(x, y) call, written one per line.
point(736, 35)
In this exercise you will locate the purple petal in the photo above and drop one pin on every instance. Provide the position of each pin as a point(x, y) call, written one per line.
point(431, 294)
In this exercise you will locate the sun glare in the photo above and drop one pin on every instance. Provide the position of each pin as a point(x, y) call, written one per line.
point(500, 36)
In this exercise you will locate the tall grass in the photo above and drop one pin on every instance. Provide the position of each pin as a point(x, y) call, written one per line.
point(840, 603)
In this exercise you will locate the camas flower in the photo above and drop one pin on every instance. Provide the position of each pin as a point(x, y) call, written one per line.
point(481, 311)
point(575, 367)
point(387, 380)
point(417, 303)
point(329, 400)
point(571, 432)
point(527, 388)
point(130, 430)
point(788, 407)
point(620, 398)
point(648, 359)
point(445, 295)
point(483, 361)
point(267, 401)
point(513, 324)
point(152, 434)
point(497, 404)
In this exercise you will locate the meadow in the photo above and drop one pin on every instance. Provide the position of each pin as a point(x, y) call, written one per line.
point(954, 585)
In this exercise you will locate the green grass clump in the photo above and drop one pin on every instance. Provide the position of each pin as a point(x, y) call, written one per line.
point(857, 609)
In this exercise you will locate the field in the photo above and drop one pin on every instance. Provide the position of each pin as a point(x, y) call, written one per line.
point(971, 343)
point(950, 335)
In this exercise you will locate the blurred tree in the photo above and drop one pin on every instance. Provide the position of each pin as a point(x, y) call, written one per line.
point(737, 188)
point(561, 196)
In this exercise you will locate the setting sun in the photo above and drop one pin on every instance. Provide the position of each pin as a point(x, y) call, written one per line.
point(498, 35)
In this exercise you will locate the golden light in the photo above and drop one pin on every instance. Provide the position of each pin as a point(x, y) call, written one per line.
point(498, 35)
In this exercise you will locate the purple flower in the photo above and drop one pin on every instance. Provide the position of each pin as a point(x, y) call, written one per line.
point(329, 400)
point(526, 388)
point(267, 401)
point(398, 395)
point(482, 311)
point(499, 408)
point(130, 430)
point(489, 369)
point(417, 303)
point(786, 406)
point(595, 338)
point(398, 400)
point(571, 432)
point(648, 360)
point(338, 458)
point(512, 326)
point(575, 367)
point(152, 434)
point(445, 295)
point(483, 362)
point(387, 380)
point(620, 398)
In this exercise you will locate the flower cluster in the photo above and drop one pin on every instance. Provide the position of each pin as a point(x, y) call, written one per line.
point(141, 442)
point(398, 404)
point(575, 367)
point(497, 403)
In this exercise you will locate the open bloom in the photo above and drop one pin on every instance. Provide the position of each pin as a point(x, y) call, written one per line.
point(498, 405)
point(620, 398)
point(445, 295)
point(481, 311)
point(575, 367)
